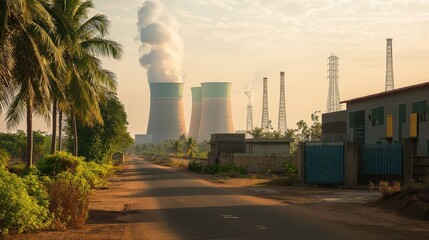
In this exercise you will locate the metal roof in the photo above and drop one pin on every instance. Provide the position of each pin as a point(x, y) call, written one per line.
point(394, 91)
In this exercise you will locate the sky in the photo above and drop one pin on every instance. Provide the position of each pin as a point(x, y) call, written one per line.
point(242, 41)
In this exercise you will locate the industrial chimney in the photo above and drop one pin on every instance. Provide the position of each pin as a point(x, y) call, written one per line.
point(216, 112)
point(196, 112)
point(166, 119)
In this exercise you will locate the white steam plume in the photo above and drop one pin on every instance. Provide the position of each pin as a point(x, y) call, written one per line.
point(161, 46)
point(248, 90)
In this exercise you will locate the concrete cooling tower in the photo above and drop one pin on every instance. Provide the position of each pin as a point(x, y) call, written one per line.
point(196, 112)
point(216, 112)
point(166, 119)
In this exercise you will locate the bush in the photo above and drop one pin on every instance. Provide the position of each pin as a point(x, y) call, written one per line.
point(290, 169)
point(69, 199)
point(230, 169)
point(388, 189)
point(4, 158)
point(22, 208)
point(94, 173)
point(58, 162)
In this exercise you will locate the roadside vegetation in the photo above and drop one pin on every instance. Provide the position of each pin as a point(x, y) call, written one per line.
point(184, 147)
point(411, 201)
point(51, 67)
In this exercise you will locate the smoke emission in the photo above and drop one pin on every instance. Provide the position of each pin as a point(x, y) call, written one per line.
point(161, 46)
point(248, 90)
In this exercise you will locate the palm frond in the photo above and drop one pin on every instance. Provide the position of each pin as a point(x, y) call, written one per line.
point(97, 24)
point(103, 47)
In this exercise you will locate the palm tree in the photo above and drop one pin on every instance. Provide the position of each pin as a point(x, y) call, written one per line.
point(290, 133)
point(30, 34)
point(276, 134)
point(87, 82)
point(191, 147)
point(176, 146)
point(256, 132)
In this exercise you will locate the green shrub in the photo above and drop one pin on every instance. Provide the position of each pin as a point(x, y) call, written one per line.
point(229, 169)
point(58, 162)
point(23, 206)
point(94, 173)
point(290, 169)
point(69, 199)
point(195, 166)
point(4, 158)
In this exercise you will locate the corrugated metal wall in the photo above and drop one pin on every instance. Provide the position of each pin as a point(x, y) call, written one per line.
point(324, 163)
point(380, 162)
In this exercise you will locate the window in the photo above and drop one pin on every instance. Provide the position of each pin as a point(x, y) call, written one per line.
point(421, 108)
point(377, 116)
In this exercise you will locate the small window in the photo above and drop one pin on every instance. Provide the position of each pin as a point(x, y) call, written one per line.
point(377, 116)
point(421, 108)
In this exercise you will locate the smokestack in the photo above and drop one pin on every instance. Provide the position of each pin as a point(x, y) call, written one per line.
point(196, 112)
point(216, 112)
point(166, 119)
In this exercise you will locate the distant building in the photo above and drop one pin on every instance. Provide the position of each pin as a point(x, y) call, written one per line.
point(142, 139)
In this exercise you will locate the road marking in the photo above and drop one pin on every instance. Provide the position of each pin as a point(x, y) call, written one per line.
point(230, 216)
point(260, 227)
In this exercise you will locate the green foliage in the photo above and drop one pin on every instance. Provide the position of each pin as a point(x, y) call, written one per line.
point(191, 147)
point(15, 144)
point(69, 199)
point(230, 169)
point(177, 146)
point(256, 132)
point(4, 158)
point(94, 173)
point(58, 162)
point(289, 168)
point(99, 142)
point(22, 204)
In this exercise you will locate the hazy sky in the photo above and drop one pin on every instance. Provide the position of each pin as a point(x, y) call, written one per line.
point(242, 41)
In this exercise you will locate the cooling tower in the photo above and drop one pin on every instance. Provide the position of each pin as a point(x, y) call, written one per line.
point(166, 119)
point(196, 112)
point(216, 113)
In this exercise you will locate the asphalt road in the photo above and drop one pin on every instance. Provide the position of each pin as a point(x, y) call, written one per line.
point(171, 204)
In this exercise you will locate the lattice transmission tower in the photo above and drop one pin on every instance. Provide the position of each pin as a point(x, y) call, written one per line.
point(282, 125)
point(264, 122)
point(333, 93)
point(390, 84)
point(249, 125)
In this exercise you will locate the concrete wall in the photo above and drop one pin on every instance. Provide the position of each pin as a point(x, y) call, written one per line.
point(258, 163)
point(391, 102)
point(267, 148)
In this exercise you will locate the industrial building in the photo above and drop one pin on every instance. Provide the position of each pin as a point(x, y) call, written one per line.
point(166, 118)
point(142, 139)
point(255, 155)
point(386, 117)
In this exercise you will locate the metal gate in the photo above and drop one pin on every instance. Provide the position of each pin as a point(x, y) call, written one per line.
point(324, 163)
point(380, 162)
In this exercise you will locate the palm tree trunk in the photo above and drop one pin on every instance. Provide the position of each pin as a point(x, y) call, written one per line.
point(54, 127)
point(29, 133)
point(60, 131)
point(75, 140)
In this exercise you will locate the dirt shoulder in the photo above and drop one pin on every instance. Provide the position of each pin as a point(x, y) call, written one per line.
point(109, 207)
